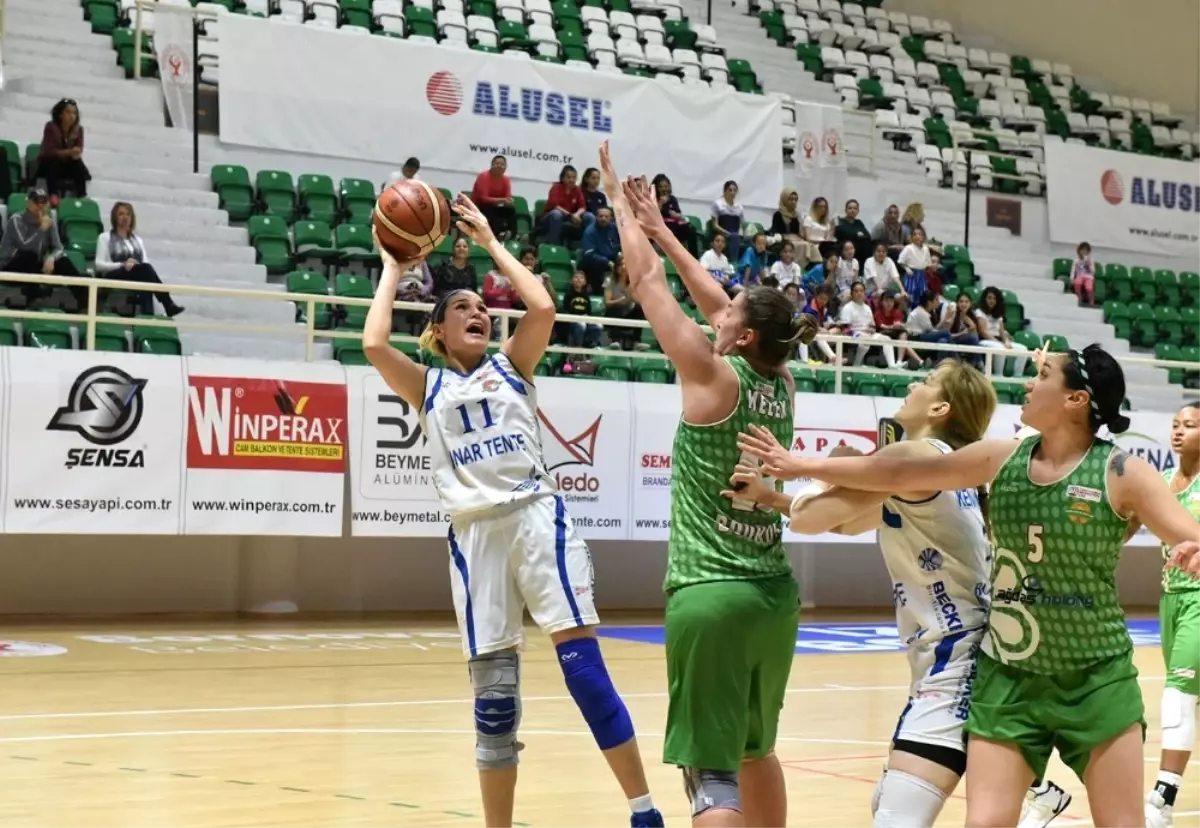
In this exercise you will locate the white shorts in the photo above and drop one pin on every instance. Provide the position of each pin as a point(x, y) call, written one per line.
point(530, 556)
point(940, 696)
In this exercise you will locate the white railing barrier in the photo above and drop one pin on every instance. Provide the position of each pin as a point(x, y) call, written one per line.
point(90, 317)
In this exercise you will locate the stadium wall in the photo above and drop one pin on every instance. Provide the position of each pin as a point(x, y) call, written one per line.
point(1098, 38)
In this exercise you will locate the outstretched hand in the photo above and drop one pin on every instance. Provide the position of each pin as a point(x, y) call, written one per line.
point(747, 483)
point(776, 460)
point(390, 262)
point(472, 222)
point(645, 206)
point(608, 175)
point(1186, 556)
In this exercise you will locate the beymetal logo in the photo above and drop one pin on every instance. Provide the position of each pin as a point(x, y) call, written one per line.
point(105, 406)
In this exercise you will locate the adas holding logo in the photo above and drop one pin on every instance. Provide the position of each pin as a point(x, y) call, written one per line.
point(392, 491)
point(93, 442)
point(266, 448)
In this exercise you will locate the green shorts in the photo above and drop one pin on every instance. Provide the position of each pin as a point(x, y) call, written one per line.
point(1075, 712)
point(730, 646)
point(1179, 618)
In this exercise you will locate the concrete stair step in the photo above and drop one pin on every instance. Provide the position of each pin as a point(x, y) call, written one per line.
point(1074, 330)
point(135, 193)
point(202, 251)
point(34, 9)
point(144, 94)
point(206, 273)
point(67, 36)
point(1157, 398)
point(238, 310)
point(174, 213)
point(198, 343)
point(26, 44)
point(106, 134)
point(168, 179)
point(158, 227)
point(64, 69)
point(113, 117)
point(114, 165)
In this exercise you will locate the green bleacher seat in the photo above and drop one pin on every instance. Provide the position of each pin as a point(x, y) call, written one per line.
point(1189, 286)
point(310, 282)
point(1167, 288)
point(81, 224)
point(420, 21)
point(109, 337)
point(619, 368)
point(51, 334)
point(1169, 322)
point(1117, 314)
point(16, 203)
point(314, 240)
point(646, 370)
point(103, 15)
point(356, 13)
point(232, 185)
point(277, 194)
point(1144, 289)
point(1191, 324)
point(870, 385)
point(318, 201)
point(269, 238)
point(358, 198)
point(1191, 353)
point(13, 153)
point(1145, 330)
point(1056, 343)
point(8, 333)
point(1168, 352)
point(1062, 270)
point(78, 260)
point(353, 286)
point(355, 244)
point(349, 352)
point(32, 151)
point(524, 217)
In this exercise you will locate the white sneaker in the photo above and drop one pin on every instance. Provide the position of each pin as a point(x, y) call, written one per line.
point(1158, 812)
point(1042, 807)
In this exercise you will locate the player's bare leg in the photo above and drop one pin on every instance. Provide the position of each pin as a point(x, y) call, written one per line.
point(1113, 779)
point(764, 792)
point(997, 778)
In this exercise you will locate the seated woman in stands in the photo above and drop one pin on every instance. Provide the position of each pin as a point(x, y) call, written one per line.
point(120, 254)
point(60, 161)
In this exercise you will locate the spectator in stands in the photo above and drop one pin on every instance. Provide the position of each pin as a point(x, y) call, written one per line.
point(824, 273)
point(728, 218)
point(859, 322)
point(850, 228)
point(498, 292)
point(817, 230)
point(60, 160)
point(889, 231)
point(415, 286)
point(881, 277)
point(31, 244)
point(578, 301)
point(847, 272)
point(922, 326)
point(120, 254)
point(530, 260)
point(593, 196)
point(990, 318)
point(913, 219)
point(936, 274)
point(457, 272)
point(785, 270)
point(492, 193)
point(889, 321)
point(672, 213)
point(795, 295)
point(916, 255)
point(818, 308)
point(963, 328)
point(564, 210)
point(406, 173)
point(619, 304)
point(714, 261)
point(785, 222)
point(753, 265)
point(600, 248)
point(1083, 275)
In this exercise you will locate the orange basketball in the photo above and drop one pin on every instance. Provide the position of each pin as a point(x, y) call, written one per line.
point(411, 218)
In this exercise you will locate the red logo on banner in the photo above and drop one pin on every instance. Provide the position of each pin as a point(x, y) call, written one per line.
point(833, 141)
point(238, 423)
point(178, 65)
point(808, 145)
point(1112, 187)
point(444, 92)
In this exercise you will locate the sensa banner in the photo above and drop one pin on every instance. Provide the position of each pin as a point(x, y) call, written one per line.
point(131, 443)
point(301, 89)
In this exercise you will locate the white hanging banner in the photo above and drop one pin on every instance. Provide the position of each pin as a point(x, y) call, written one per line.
point(173, 45)
point(820, 153)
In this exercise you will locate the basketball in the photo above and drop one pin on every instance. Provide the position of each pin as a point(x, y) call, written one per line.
point(411, 218)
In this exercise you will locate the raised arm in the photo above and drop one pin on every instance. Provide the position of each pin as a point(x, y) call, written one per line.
point(1140, 492)
point(402, 375)
point(682, 340)
point(712, 301)
point(528, 343)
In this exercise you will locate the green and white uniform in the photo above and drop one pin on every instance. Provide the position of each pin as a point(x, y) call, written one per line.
point(1179, 610)
point(732, 606)
point(1057, 667)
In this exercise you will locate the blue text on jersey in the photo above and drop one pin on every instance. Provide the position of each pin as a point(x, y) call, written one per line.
point(487, 448)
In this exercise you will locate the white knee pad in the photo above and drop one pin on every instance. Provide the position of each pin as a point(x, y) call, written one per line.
point(906, 801)
point(1178, 719)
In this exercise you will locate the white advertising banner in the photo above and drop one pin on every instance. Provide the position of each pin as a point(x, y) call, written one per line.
point(173, 45)
point(820, 154)
point(94, 442)
point(266, 447)
point(1123, 201)
point(656, 412)
point(304, 89)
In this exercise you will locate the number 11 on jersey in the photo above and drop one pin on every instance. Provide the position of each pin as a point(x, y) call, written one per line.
point(468, 427)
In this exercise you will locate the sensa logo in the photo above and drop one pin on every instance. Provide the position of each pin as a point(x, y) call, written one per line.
point(104, 407)
point(444, 92)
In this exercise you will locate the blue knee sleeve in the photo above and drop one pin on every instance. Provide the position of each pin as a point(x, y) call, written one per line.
point(591, 688)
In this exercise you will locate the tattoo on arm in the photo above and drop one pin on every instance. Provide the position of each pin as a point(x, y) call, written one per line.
point(1118, 462)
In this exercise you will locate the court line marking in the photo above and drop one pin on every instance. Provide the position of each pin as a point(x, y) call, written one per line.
point(97, 714)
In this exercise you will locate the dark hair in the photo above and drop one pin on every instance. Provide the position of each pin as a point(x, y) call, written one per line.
point(787, 245)
point(850, 201)
point(1095, 371)
point(822, 290)
point(413, 162)
point(930, 294)
point(878, 245)
point(566, 169)
point(527, 251)
point(997, 311)
point(1079, 249)
point(655, 181)
point(858, 284)
point(728, 184)
point(1189, 404)
point(112, 215)
point(499, 158)
point(60, 107)
point(778, 324)
point(587, 174)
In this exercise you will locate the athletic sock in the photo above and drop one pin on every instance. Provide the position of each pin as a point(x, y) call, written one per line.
point(1168, 786)
point(641, 804)
point(1041, 787)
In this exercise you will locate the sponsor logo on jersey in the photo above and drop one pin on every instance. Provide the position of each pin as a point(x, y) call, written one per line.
point(1079, 513)
point(1084, 493)
point(930, 559)
point(764, 404)
point(29, 649)
point(756, 532)
point(240, 423)
point(104, 407)
point(899, 599)
point(951, 618)
point(1183, 672)
point(655, 471)
point(571, 460)
point(1031, 591)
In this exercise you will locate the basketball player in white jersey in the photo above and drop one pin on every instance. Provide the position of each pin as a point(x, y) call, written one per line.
point(936, 548)
point(512, 544)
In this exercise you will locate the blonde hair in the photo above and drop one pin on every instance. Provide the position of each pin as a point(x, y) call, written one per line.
point(914, 214)
point(972, 402)
point(431, 343)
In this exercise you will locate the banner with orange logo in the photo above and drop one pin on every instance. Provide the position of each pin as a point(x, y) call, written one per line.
point(265, 448)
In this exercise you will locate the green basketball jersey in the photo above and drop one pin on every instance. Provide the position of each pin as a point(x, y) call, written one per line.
point(714, 538)
point(1176, 580)
point(1054, 593)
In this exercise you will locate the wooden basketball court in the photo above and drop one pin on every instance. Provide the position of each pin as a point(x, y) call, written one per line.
point(369, 723)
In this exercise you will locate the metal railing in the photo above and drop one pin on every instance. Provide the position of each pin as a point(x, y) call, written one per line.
point(91, 316)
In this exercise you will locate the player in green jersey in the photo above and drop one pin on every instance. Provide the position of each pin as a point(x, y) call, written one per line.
point(732, 606)
point(1056, 669)
point(1179, 618)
